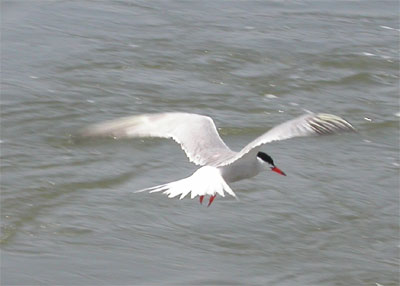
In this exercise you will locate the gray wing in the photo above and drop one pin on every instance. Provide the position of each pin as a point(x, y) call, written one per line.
point(196, 134)
point(305, 125)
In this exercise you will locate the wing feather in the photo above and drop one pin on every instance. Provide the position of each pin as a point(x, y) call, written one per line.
point(196, 133)
point(305, 125)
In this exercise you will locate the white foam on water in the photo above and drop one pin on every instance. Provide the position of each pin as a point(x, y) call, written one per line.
point(389, 28)
point(368, 54)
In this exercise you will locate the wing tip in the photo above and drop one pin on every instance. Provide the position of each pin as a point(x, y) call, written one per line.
point(325, 123)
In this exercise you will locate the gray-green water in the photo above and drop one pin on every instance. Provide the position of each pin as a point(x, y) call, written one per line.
point(68, 213)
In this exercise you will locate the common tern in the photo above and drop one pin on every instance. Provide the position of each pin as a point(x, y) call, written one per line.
point(199, 138)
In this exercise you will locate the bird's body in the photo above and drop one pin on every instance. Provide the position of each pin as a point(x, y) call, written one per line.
point(201, 142)
point(243, 169)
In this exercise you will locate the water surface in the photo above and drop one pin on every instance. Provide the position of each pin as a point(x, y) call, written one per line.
point(68, 212)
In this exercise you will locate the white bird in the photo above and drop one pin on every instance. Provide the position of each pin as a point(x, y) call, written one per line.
point(202, 144)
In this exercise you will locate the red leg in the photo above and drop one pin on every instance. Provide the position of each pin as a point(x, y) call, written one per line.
point(201, 199)
point(211, 200)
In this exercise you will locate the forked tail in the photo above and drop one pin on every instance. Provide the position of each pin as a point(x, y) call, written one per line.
point(205, 181)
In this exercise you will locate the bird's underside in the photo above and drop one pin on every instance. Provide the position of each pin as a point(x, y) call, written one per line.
point(202, 144)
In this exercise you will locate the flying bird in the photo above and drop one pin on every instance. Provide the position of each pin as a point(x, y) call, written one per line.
point(199, 138)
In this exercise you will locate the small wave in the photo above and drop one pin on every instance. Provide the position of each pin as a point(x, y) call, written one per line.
point(389, 28)
point(368, 54)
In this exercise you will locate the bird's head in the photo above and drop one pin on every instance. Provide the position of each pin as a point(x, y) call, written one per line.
point(267, 159)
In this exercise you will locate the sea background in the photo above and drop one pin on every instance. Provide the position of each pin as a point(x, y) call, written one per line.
point(69, 214)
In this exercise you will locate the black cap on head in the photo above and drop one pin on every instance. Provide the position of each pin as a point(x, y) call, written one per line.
point(265, 157)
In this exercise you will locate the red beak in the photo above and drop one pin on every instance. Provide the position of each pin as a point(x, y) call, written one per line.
point(276, 169)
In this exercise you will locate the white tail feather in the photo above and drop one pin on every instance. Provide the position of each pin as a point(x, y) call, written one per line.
point(205, 181)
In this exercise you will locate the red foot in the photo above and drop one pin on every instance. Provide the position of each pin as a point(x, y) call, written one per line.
point(201, 199)
point(211, 200)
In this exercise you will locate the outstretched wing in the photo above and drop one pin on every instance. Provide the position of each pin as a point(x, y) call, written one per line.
point(196, 134)
point(305, 125)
